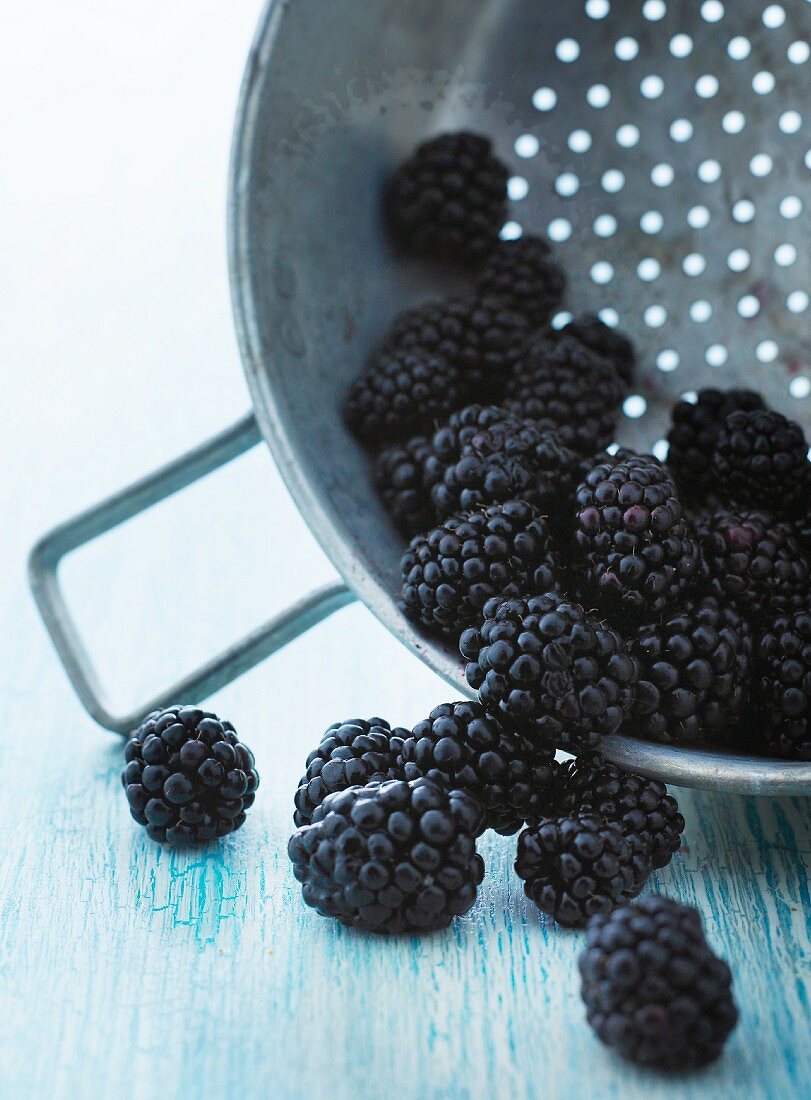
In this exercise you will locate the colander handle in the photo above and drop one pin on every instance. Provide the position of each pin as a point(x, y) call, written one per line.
point(220, 670)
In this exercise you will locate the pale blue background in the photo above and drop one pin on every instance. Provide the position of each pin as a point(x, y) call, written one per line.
point(126, 971)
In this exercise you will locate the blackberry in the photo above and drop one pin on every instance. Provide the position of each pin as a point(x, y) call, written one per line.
point(187, 775)
point(577, 866)
point(524, 274)
point(449, 199)
point(391, 857)
point(653, 989)
point(637, 553)
point(608, 343)
point(784, 685)
point(400, 393)
point(694, 432)
point(695, 674)
point(761, 460)
point(351, 753)
point(755, 563)
point(567, 387)
point(450, 573)
point(649, 816)
point(400, 478)
point(482, 338)
point(460, 746)
point(544, 660)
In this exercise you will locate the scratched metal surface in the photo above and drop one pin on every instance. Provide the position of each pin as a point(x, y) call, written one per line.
point(129, 971)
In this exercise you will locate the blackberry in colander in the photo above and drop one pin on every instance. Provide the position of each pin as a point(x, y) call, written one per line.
point(761, 460)
point(525, 274)
point(401, 480)
point(609, 343)
point(784, 686)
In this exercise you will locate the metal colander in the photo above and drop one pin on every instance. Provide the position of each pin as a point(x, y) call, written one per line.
point(664, 149)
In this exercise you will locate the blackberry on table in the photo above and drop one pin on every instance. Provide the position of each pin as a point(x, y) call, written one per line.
point(784, 685)
point(761, 460)
point(609, 343)
point(187, 776)
point(391, 857)
point(351, 753)
point(450, 573)
point(637, 554)
point(654, 990)
point(462, 747)
point(401, 480)
point(525, 274)
point(578, 866)
point(449, 199)
point(695, 675)
point(648, 815)
point(543, 660)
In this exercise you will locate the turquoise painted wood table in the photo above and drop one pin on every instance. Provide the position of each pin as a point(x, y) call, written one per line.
point(130, 971)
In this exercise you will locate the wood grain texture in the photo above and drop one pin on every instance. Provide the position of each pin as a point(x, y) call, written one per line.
point(129, 971)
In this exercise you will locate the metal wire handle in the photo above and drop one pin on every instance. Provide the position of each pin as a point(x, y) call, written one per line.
point(128, 502)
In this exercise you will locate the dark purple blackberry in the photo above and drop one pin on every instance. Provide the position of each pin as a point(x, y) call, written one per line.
point(391, 857)
point(694, 433)
point(578, 866)
point(350, 754)
point(608, 343)
point(449, 199)
point(784, 686)
point(653, 989)
point(525, 275)
point(637, 554)
point(544, 660)
point(649, 816)
point(187, 775)
point(401, 393)
point(564, 385)
point(462, 747)
point(450, 573)
point(761, 460)
point(400, 478)
point(755, 563)
point(482, 338)
point(695, 675)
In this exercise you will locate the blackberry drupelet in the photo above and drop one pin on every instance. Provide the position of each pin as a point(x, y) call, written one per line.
point(462, 747)
point(524, 274)
point(187, 775)
point(401, 481)
point(637, 554)
point(695, 675)
point(543, 660)
point(694, 432)
point(401, 393)
point(351, 753)
point(755, 563)
point(649, 816)
point(450, 573)
point(578, 866)
point(784, 685)
point(564, 385)
point(391, 857)
point(608, 343)
point(449, 199)
point(654, 991)
point(761, 460)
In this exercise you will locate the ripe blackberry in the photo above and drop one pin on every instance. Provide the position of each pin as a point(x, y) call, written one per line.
point(351, 753)
point(755, 563)
point(525, 275)
point(567, 387)
point(608, 343)
point(545, 661)
point(401, 481)
point(187, 775)
point(462, 747)
point(784, 685)
point(653, 989)
point(695, 675)
point(449, 199)
point(578, 866)
point(391, 857)
point(637, 553)
point(482, 338)
point(649, 816)
point(761, 459)
point(694, 432)
point(450, 573)
point(401, 393)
